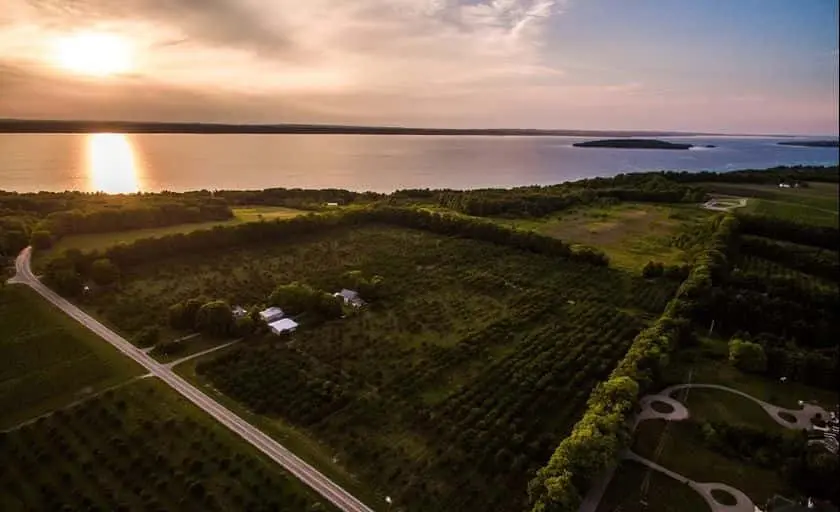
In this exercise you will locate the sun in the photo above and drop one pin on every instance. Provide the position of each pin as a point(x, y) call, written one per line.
point(94, 53)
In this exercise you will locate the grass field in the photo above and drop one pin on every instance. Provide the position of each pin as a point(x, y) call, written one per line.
point(722, 406)
point(708, 364)
point(683, 452)
point(630, 233)
point(469, 370)
point(625, 492)
point(817, 204)
point(189, 345)
point(50, 360)
point(140, 448)
point(104, 240)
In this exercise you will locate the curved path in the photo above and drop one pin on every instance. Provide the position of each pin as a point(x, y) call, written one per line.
point(802, 417)
point(742, 502)
point(679, 412)
point(712, 204)
point(274, 450)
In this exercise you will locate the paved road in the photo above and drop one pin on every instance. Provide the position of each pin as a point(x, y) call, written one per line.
point(712, 204)
point(742, 502)
point(802, 417)
point(294, 465)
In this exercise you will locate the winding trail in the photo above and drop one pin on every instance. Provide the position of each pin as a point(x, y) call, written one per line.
point(802, 416)
point(742, 502)
point(679, 412)
point(712, 204)
point(331, 491)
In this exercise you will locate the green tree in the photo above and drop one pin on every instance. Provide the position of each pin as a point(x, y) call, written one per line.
point(747, 356)
point(147, 337)
point(104, 272)
point(41, 239)
point(244, 326)
point(215, 318)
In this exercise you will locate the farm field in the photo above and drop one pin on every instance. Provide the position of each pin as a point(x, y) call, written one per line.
point(97, 241)
point(140, 448)
point(816, 204)
point(630, 233)
point(664, 494)
point(51, 360)
point(469, 369)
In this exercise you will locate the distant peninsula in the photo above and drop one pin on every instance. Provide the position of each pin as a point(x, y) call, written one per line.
point(812, 143)
point(92, 126)
point(633, 144)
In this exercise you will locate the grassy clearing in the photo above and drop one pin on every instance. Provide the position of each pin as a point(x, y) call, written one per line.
point(191, 345)
point(683, 453)
point(723, 406)
point(51, 359)
point(469, 370)
point(98, 241)
point(708, 364)
point(630, 233)
point(664, 493)
point(817, 204)
point(140, 448)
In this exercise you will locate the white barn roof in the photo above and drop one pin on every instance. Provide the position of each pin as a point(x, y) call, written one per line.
point(271, 314)
point(283, 325)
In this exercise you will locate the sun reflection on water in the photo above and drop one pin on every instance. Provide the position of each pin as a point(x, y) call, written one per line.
point(112, 167)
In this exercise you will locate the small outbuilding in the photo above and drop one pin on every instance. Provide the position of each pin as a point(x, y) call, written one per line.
point(271, 314)
point(238, 311)
point(283, 325)
point(350, 297)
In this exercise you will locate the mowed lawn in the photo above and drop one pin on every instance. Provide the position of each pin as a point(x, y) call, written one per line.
point(100, 241)
point(635, 488)
point(48, 359)
point(817, 204)
point(630, 233)
point(682, 451)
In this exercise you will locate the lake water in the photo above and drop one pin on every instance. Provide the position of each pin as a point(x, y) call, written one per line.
point(153, 162)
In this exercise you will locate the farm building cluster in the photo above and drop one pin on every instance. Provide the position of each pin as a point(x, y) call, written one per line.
point(280, 323)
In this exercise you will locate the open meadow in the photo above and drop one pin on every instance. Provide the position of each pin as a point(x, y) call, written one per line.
point(140, 447)
point(50, 359)
point(448, 390)
point(630, 233)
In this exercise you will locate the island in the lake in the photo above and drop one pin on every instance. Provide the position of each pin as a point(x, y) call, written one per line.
point(634, 144)
point(812, 143)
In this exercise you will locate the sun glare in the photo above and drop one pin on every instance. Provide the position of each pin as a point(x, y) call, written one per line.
point(94, 53)
point(112, 167)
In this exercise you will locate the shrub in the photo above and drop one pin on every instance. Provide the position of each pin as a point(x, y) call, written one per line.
point(747, 356)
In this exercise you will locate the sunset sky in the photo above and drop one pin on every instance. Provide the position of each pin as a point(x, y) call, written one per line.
point(732, 66)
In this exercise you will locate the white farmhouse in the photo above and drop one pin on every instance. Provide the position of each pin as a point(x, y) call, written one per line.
point(271, 314)
point(283, 325)
point(350, 297)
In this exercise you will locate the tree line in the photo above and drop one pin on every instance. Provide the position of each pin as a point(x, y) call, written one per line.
point(789, 231)
point(810, 260)
point(68, 271)
point(604, 429)
point(541, 201)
